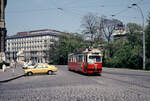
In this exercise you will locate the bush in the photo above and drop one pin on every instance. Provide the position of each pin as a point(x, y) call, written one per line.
point(124, 58)
point(110, 62)
point(135, 62)
point(148, 64)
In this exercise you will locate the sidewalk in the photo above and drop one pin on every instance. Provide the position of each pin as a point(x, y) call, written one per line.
point(8, 75)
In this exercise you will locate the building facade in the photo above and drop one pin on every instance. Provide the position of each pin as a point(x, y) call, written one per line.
point(33, 45)
point(119, 34)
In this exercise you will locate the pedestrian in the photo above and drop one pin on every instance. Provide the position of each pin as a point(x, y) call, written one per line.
point(12, 66)
point(4, 67)
point(15, 64)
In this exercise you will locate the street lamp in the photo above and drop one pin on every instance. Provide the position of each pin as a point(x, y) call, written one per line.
point(142, 33)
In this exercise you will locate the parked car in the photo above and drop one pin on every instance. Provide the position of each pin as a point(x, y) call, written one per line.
point(41, 68)
point(28, 66)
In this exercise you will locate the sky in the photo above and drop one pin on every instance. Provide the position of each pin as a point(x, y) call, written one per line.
point(66, 15)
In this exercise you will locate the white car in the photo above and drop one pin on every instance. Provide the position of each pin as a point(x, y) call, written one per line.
point(28, 66)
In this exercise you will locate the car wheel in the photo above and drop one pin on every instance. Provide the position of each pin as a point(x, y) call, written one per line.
point(29, 73)
point(50, 72)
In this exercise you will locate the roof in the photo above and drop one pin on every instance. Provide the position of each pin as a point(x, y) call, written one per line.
point(119, 32)
point(87, 50)
point(34, 33)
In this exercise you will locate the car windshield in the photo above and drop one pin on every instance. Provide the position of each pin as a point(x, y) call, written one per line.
point(41, 66)
point(93, 59)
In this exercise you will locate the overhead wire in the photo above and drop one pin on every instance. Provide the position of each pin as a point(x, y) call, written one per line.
point(118, 14)
point(124, 10)
point(81, 4)
point(30, 10)
point(72, 9)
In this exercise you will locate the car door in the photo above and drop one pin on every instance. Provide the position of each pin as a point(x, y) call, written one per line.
point(45, 68)
point(37, 69)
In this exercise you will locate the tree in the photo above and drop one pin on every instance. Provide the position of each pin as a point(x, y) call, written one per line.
point(108, 27)
point(66, 45)
point(147, 32)
point(127, 53)
point(147, 42)
point(134, 36)
point(133, 27)
point(52, 52)
point(90, 25)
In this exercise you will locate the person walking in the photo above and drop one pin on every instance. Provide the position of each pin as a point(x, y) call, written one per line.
point(15, 64)
point(4, 67)
point(12, 66)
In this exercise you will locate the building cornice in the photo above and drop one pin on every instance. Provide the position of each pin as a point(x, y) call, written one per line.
point(32, 35)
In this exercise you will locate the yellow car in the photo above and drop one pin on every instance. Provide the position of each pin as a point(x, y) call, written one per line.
point(41, 68)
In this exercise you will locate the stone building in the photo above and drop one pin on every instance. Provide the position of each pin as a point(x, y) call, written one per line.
point(33, 45)
point(119, 34)
point(2, 29)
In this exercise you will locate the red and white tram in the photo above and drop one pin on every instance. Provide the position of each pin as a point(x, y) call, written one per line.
point(88, 61)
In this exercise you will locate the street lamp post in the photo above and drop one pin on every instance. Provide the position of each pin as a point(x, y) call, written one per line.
point(142, 33)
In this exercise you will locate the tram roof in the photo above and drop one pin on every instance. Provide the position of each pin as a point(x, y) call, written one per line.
point(95, 50)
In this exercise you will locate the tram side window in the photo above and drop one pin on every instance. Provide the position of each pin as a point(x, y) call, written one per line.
point(85, 58)
point(77, 57)
point(69, 59)
point(80, 58)
point(74, 59)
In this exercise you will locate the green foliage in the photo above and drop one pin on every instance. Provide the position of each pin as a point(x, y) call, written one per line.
point(133, 27)
point(128, 57)
point(66, 45)
point(125, 53)
point(147, 39)
point(147, 42)
point(124, 57)
point(128, 53)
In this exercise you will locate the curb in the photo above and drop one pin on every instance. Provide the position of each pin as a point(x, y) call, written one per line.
point(137, 70)
point(4, 81)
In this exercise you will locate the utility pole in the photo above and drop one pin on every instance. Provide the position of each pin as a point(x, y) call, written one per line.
point(142, 33)
point(3, 30)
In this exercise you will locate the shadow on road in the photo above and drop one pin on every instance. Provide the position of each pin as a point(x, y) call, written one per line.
point(125, 74)
point(95, 74)
point(40, 75)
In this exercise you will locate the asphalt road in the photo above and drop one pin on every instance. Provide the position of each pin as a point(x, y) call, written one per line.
point(113, 85)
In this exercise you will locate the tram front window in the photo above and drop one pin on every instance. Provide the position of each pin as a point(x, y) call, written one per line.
point(93, 59)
